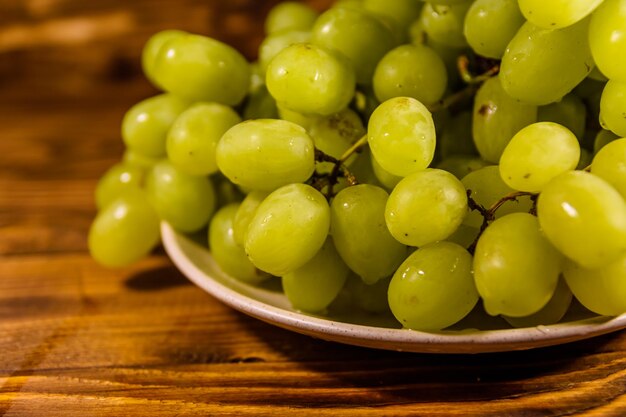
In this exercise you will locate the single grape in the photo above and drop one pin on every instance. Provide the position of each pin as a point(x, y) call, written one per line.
point(186, 202)
point(461, 165)
point(401, 12)
point(433, 288)
point(551, 313)
point(584, 217)
point(569, 112)
point(401, 135)
point(607, 40)
point(371, 298)
point(202, 69)
point(145, 125)
point(276, 42)
point(231, 257)
point(357, 225)
point(556, 14)
point(444, 23)
point(193, 138)
point(537, 154)
point(425, 207)
point(313, 286)
point(388, 180)
point(288, 229)
point(516, 269)
point(610, 165)
point(289, 15)
point(245, 213)
point(137, 160)
point(124, 231)
point(151, 50)
point(613, 107)
point(309, 79)
point(119, 179)
point(411, 71)
point(266, 154)
point(490, 25)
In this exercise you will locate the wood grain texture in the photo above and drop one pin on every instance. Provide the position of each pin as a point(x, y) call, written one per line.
point(80, 340)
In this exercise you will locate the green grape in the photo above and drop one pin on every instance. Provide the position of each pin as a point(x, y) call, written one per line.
point(231, 257)
point(607, 40)
point(257, 77)
point(516, 269)
point(490, 25)
point(357, 225)
point(401, 134)
point(540, 66)
point(425, 207)
point(245, 213)
point(186, 202)
point(584, 217)
point(118, 180)
point(401, 12)
point(356, 34)
point(304, 120)
point(433, 288)
point(145, 125)
point(288, 229)
point(444, 23)
point(276, 42)
point(202, 69)
point(556, 14)
point(311, 80)
point(388, 180)
point(569, 112)
point(464, 235)
point(487, 189)
point(266, 154)
point(613, 107)
point(601, 290)
point(151, 51)
point(260, 105)
point(126, 230)
point(137, 160)
point(193, 138)
point(497, 117)
point(456, 136)
point(289, 15)
point(411, 71)
point(603, 138)
point(446, 2)
point(551, 313)
point(313, 286)
point(371, 298)
point(537, 154)
point(461, 165)
point(610, 165)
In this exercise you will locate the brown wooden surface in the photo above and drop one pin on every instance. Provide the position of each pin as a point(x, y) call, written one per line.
point(80, 340)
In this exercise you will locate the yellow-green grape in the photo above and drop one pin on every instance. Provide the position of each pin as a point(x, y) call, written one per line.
point(371, 298)
point(145, 125)
point(260, 105)
point(540, 66)
point(496, 118)
point(401, 12)
point(487, 189)
point(357, 225)
point(569, 112)
point(425, 207)
point(537, 154)
point(556, 14)
point(490, 25)
point(610, 165)
point(613, 107)
point(245, 214)
point(387, 179)
point(138, 160)
point(444, 23)
point(288, 229)
point(202, 69)
point(584, 217)
point(119, 179)
point(266, 154)
point(401, 135)
point(456, 136)
point(411, 71)
point(313, 286)
point(356, 34)
point(607, 40)
point(193, 138)
point(289, 15)
point(276, 42)
point(230, 256)
point(304, 120)
point(124, 231)
point(603, 138)
point(551, 313)
point(151, 51)
point(601, 290)
point(461, 165)
point(186, 202)
point(309, 79)
point(433, 288)
point(516, 269)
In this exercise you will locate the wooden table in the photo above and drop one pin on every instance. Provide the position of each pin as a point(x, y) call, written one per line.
point(77, 339)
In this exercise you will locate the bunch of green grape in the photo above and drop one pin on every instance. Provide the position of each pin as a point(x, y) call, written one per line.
point(427, 158)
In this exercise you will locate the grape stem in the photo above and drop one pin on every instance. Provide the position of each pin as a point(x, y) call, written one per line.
point(320, 181)
point(463, 64)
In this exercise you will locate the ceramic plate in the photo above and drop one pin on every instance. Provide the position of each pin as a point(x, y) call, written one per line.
point(475, 334)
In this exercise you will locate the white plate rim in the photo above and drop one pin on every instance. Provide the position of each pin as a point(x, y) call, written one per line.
point(377, 337)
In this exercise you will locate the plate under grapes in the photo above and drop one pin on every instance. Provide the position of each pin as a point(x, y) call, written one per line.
point(476, 333)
